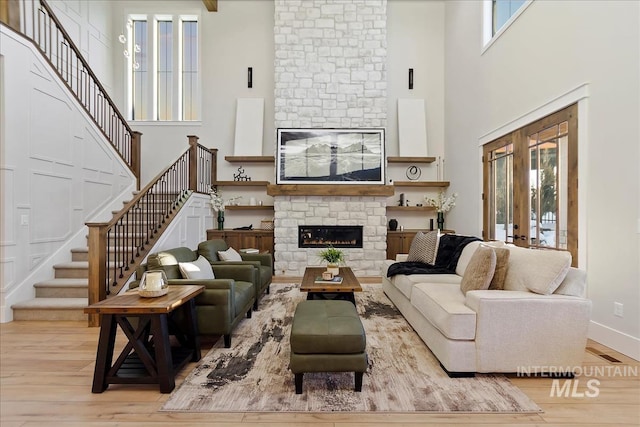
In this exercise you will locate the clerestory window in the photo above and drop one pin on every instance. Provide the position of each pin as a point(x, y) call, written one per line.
point(163, 78)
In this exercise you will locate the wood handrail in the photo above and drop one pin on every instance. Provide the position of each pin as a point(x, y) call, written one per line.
point(117, 246)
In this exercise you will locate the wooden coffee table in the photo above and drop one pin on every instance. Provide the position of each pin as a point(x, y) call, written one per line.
point(342, 291)
point(148, 358)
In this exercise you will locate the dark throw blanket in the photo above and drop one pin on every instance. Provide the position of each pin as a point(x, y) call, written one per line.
point(449, 250)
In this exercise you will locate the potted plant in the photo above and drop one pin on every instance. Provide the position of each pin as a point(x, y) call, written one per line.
point(332, 256)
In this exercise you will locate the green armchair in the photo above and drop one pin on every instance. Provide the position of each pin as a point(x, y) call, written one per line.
point(262, 264)
point(225, 299)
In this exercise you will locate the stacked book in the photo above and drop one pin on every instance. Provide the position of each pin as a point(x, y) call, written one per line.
point(249, 251)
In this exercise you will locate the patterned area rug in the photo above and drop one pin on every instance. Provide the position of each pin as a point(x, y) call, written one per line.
point(403, 375)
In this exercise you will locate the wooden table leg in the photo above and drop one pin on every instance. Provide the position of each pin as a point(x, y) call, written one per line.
point(193, 338)
point(164, 360)
point(104, 356)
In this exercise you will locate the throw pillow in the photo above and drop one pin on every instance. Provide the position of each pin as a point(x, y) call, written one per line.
point(536, 270)
point(229, 255)
point(423, 247)
point(502, 263)
point(479, 272)
point(198, 269)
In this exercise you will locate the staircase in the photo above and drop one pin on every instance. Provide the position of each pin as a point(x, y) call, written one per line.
point(63, 297)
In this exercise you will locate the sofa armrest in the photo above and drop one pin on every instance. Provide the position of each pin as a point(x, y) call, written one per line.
point(265, 260)
point(254, 264)
point(243, 272)
point(517, 330)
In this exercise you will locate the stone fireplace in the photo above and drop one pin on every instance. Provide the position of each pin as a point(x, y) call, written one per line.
point(330, 72)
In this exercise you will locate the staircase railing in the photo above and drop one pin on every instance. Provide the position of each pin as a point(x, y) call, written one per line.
point(117, 247)
point(39, 24)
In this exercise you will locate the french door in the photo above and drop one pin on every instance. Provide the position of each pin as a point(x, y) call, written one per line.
point(531, 184)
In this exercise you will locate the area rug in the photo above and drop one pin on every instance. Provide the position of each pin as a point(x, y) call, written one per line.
point(403, 375)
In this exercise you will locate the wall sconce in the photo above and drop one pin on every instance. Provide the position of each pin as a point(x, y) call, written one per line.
point(250, 77)
point(410, 78)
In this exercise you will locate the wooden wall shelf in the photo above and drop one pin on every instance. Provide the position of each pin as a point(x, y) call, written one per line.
point(248, 207)
point(250, 159)
point(410, 208)
point(241, 183)
point(399, 159)
point(330, 190)
point(442, 184)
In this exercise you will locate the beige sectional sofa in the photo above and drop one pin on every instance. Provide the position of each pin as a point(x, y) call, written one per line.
point(510, 330)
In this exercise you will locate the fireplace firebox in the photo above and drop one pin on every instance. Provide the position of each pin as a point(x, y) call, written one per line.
point(338, 236)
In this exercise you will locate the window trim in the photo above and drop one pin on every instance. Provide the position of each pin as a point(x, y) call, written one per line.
point(488, 39)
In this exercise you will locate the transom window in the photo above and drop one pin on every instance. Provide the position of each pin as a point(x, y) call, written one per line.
point(163, 68)
point(502, 11)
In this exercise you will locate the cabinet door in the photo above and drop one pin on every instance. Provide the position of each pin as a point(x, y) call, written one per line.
point(234, 240)
point(215, 234)
point(395, 244)
point(407, 239)
point(265, 243)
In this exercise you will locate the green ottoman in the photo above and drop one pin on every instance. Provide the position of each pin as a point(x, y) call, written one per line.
point(327, 336)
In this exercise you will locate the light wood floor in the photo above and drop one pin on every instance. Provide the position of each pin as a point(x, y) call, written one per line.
point(46, 371)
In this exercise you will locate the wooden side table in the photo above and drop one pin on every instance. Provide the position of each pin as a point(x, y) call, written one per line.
point(148, 357)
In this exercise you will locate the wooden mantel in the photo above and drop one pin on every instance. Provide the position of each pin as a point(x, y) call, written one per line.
point(212, 5)
point(330, 190)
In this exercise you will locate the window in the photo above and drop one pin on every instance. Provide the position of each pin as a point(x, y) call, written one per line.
point(498, 15)
point(531, 184)
point(163, 76)
point(502, 11)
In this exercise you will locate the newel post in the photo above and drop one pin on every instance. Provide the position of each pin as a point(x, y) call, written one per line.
point(193, 162)
point(136, 138)
point(97, 266)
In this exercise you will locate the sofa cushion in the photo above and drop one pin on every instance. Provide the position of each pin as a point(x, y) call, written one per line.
point(168, 261)
point(502, 263)
point(468, 251)
point(198, 269)
point(229, 255)
point(443, 305)
point(406, 282)
point(423, 247)
point(536, 270)
point(479, 272)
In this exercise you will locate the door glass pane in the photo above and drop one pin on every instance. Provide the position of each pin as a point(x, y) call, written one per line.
point(545, 186)
point(501, 193)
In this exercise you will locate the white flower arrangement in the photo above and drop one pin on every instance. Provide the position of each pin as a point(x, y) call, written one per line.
point(442, 203)
point(217, 203)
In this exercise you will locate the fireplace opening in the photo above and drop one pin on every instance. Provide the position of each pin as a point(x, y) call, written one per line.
point(338, 236)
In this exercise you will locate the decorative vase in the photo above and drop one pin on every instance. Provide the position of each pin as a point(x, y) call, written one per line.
point(440, 220)
point(220, 220)
point(393, 224)
point(333, 269)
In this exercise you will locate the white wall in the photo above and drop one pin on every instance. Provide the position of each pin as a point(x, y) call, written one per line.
point(415, 39)
point(57, 171)
point(552, 48)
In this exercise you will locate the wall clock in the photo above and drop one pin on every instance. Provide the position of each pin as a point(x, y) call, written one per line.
point(413, 172)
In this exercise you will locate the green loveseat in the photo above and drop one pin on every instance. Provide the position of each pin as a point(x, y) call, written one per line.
point(262, 264)
point(225, 299)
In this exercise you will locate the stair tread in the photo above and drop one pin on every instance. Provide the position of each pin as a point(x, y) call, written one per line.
point(70, 283)
point(73, 264)
point(54, 303)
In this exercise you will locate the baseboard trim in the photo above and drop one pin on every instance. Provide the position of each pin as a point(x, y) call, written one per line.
point(618, 341)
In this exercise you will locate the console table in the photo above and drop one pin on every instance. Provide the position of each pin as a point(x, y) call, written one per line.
point(148, 357)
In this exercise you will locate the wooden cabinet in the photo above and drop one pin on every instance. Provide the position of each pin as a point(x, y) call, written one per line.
point(242, 239)
point(399, 242)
